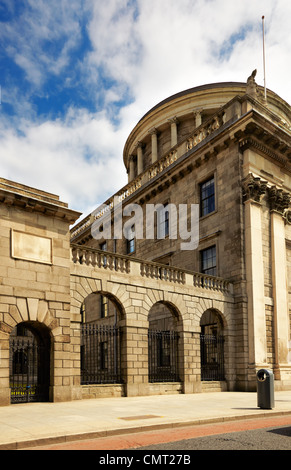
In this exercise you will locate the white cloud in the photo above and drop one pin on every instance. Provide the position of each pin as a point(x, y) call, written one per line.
point(77, 159)
point(147, 50)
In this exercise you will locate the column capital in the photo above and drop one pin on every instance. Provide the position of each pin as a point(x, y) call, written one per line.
point(139, 145)
point(153, 131)
point(197, 111)
point(173, 120)
point(279, 199)
point(253, 188)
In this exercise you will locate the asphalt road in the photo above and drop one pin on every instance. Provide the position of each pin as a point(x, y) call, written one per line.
point(271, 433)
point(273, 438)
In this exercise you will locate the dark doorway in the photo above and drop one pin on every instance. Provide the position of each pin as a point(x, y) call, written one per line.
point(29, 363)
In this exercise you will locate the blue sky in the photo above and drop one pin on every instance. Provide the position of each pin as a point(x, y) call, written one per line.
point(76, 75)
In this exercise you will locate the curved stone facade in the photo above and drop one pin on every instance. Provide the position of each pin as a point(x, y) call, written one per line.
point(172, 121)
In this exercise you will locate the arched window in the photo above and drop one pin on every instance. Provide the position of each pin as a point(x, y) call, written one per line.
point(163, 345)
point(100, 340)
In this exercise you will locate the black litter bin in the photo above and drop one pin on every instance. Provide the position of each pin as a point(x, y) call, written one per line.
point(265, 389)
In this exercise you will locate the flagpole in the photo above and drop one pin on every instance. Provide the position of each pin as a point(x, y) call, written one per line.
point(264, 58)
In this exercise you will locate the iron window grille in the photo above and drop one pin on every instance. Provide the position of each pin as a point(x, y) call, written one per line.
point(163, 356)
point(100, 354)
point(212, 357)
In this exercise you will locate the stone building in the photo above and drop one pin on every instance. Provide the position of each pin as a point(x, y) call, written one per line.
point(122, 304)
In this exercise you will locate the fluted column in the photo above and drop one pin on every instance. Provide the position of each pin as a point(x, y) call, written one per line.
point(253, 189)
point(279, 201)
point(154, 134)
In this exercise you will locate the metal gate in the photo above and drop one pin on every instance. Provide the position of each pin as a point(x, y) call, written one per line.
point(212, 357)
point(163, 356)
point(100, 354)
point(29, 370)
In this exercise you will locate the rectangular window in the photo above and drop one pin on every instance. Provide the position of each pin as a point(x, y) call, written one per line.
point(163, 222)
point(103, 247)
point(208, 261)
point(207, 197)
point(130, 240)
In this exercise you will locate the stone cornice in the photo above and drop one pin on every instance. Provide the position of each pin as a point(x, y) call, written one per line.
point(266, 138)
point(30, 201)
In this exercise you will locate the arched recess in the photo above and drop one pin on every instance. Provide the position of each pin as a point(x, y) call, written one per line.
point(164, 351)
point(101, 339)
point(30, 362)
point(212, 346)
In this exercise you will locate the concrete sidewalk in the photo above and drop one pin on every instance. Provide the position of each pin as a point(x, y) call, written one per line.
point(33, 424)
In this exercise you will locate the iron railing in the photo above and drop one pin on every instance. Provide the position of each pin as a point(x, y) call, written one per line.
point(212, 357)
point(100, 354)
point(163, 356)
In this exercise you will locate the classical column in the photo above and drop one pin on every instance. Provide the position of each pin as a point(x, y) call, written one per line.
point(198, 117)
point(257, 348)
point(131, 168)
point(139, 158)
point(154, 134)
point(279, 201)
point(174, 132)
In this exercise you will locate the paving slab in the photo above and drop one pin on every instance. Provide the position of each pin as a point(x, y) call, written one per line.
point(28, 425)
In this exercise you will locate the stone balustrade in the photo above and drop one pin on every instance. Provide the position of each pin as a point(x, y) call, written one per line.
point(162, 272)
point(211, 282)
point(204, 131)
point(162, 164)
point(100, 259)
point(147, 269)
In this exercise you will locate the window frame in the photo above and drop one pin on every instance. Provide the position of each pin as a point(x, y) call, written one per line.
point(130, 242)
point(163, 222)
point(103, 247)
point(204, 270)
point(212, 197)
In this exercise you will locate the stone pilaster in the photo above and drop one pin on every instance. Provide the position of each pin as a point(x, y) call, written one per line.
point(279, 202)
point(253, 189)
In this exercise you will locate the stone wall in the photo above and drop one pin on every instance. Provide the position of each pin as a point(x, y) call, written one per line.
point(35, 279)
